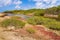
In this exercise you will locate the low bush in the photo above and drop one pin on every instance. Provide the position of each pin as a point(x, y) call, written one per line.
point(49, 23)
point(30, 30)
point(12, 22)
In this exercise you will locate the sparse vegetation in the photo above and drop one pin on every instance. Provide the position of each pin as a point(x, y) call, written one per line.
point(38, 16)
point(30, 30)
point(12, 22)
point(50, 23)
point(38, 21)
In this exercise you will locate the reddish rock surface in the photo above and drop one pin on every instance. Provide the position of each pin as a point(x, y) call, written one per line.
point(47, 33)
point(41, 32)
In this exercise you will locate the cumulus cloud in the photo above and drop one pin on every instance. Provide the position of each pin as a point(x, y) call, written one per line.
point(17, 7)
point(45, 3)
point(5, 2)
point(17, 3)
point(9, 2)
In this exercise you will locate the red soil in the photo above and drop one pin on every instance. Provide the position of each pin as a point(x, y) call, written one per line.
point(40, 31)
point(47, 33)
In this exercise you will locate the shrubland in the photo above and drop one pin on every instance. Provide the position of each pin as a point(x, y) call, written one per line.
point(30, 30)
point(12, 22)
point(47, 22)
point(38, 17)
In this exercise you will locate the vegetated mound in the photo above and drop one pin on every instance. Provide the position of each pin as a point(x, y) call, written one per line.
point(12, 22)
point(47, 22)
point(29, 32)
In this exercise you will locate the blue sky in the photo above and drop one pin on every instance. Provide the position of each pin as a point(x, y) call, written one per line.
point(26, 4)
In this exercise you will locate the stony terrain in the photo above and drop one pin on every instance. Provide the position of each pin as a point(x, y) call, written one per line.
point(12, 36)
point(21, 34)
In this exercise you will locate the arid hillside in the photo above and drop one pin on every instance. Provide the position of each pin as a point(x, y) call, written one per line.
point(29, 32)
point(33, 24)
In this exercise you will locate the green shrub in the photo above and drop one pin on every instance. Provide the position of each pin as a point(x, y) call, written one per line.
point(53, 25)
point(30, 30)
point(15, 17)
point(12, 22)
point(49, 23)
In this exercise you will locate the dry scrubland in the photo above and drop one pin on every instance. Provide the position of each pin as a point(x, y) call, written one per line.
point(16, 29)
point(33, 24)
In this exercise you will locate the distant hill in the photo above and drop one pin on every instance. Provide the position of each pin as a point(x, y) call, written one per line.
point(53, 10)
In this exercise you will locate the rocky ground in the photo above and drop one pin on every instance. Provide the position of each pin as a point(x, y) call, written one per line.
point(41, 33)
point(12, 36)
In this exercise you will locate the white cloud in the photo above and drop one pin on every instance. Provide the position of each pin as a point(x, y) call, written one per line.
point(9, 2)
point(5, 2)
point(45, 3)
point(0, 5)
point(17, 3)
point(37, 0)
point(17, 7)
